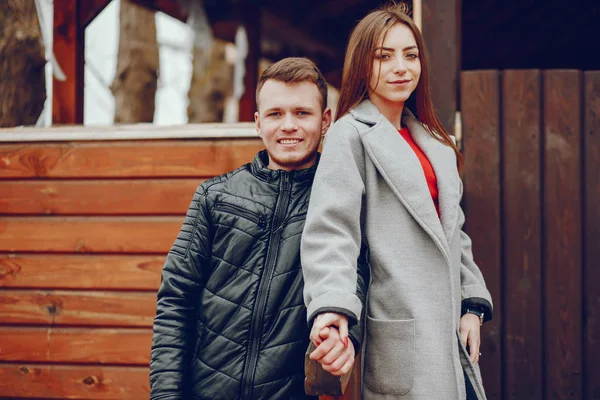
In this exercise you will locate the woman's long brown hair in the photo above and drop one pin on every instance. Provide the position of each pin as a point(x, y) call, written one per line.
point(358, 69)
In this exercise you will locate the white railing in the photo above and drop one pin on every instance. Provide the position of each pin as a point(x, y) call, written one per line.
point(128, 132)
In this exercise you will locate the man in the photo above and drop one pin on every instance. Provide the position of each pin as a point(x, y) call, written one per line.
point(231, 321)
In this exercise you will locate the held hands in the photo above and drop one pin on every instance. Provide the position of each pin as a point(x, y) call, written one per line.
point(334, 351)
point(470, 333)
point(332, 354)
point(329, 319)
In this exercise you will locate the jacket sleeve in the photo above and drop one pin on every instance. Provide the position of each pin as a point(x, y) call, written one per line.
point(183, 276)
point(331, 240)
point(355, 331)
point(473, 289)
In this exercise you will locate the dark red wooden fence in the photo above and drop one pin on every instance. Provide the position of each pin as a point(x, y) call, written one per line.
point(531, 141)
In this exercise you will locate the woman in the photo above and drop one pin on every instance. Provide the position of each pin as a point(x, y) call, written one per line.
point(388, 179)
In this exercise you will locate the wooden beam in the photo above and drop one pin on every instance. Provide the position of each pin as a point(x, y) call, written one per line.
point(417, 14)
point(97, 197)
point(280, 30)
point(89, 10)
point(77, 308)
point(74, 271)
point(144, 159)
point(441, 31)
point(67, 96)
point(133, 235)
point(74, 382)
point(76, 345)
point(168, 7)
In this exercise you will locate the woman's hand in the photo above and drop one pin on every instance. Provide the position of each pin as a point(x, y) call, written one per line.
point(329, 319)
point(470, 333)
point(333, 356)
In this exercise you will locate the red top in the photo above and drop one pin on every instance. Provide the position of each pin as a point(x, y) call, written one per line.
point(427, 168)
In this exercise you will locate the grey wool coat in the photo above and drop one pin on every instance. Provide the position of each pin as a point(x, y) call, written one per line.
point(370, 189)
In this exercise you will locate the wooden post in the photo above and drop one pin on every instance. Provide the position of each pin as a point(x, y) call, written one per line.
point(591, 213)
point(562, 233)
point(441, 31)
point(70, 20)
point(67, 96)
point(250, 17)
point(480, 98)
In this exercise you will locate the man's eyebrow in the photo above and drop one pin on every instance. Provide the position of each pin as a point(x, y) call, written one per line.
point(268, 110)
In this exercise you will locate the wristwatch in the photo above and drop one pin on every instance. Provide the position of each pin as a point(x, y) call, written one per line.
point(475, 311)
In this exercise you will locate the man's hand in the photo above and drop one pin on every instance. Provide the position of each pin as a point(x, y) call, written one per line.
point(334, 356)
point(329, 319)
point(470, 334)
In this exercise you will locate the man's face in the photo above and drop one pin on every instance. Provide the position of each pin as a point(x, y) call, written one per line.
point(290, 122)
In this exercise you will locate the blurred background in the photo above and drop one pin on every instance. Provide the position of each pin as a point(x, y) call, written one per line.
point(113, 111)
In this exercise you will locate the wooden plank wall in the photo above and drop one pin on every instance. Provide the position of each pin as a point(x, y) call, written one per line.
point(84, 229)
point(532, 148)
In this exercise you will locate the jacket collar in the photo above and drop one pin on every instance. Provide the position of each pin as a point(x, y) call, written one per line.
point(367, 113)
point(259, 169)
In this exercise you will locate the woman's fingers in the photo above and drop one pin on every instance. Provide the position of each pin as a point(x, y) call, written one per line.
point(322, 350)
point(474, 344)
point(329, 319)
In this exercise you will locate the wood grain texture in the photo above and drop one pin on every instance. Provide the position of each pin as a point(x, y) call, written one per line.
point(562, 233)
point(110, 159)
point(523, 322)
point(74, 345)
point(71, 271)
point(73, 382)
point(89, 234)
point(591, 277)
point(78, 308)
point(480, 99)
point(97, 197)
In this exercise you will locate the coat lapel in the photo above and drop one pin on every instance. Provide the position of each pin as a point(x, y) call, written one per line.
point(402, 170)
point(443, 161)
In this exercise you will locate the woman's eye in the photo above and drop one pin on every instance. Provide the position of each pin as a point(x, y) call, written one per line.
point(412, 55)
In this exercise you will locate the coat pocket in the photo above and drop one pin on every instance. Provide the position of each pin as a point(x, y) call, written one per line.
point(389, 355)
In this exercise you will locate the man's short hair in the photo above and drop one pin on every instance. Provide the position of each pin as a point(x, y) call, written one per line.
point(295, 70)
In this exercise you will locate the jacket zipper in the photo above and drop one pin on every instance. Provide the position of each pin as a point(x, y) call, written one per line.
point(261, 296)
point(241, 212)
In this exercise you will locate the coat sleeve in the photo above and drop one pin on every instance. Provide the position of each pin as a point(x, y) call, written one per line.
point(183, 276)
point(473, 289)
point(331, 240)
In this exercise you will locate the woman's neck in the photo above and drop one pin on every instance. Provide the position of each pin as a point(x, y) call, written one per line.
point(392, 110)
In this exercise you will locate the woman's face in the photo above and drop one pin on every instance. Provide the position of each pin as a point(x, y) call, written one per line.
point(396, 67)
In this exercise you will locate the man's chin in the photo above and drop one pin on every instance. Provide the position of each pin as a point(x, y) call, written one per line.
point(294, 162)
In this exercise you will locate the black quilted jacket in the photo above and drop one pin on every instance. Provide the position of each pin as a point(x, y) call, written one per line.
point(231, 321)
